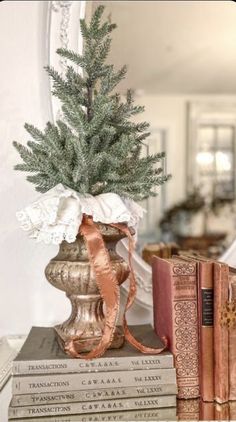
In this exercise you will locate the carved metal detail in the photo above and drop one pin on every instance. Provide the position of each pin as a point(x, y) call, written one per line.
point(71, 272)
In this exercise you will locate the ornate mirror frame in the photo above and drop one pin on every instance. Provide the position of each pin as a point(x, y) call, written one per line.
point(64, 31)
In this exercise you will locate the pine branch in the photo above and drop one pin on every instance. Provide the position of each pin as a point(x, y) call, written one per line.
point(97, 146)
point(34, 132)
point(72, 56)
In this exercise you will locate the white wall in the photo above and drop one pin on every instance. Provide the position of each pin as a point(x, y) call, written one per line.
point(25, 297)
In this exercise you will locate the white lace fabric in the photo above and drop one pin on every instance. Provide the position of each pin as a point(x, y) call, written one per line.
point(57, 214)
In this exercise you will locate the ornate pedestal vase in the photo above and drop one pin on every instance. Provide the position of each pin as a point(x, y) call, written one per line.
point(71, 272)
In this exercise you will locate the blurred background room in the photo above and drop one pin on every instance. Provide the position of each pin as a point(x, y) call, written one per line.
point(181, 60)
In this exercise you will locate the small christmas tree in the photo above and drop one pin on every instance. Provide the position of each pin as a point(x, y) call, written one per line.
point(96, 148)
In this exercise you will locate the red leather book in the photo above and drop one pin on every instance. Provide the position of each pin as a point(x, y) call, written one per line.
point(221, 355)
point(188, 410)
point(206, 411)
point(205, 285)
point(232, 409)
point(206, 329)
point(175, 316)
point(222, 412)
point(198, 410)
point(232, 340)
point(195, 410)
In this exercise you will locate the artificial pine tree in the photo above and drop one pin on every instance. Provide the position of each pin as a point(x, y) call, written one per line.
point(96, 148)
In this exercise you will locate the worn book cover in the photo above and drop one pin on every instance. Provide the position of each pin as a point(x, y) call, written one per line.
point(221, 351)
point(232, 410)
point(156, 414)
point(175, 316)
point(188, 410)
point(232, 338)
point(41, 354)
point(96, 394)
point(26, 384)
point(198, 410)
point(225, 411)
point(205, 299)
point(90, 407)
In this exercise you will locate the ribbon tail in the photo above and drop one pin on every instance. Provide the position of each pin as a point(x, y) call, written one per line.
point(109, 290)
point(130, 299)
point(108, 287)
point(139, 346)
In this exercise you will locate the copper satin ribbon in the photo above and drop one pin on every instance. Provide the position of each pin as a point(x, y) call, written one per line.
point(109, 290)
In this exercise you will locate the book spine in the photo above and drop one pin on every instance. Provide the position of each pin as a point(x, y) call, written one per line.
point(185, 328)
point(158, 414)
point(175, 316)
point(188, 410)
point(232, 410)
point(222, 412)
point(207, 411)
point(102, 365)
point(221, 284)
point(232, 364)
point(206, 330)
point(232, 345)
point(90, 407)
point(90, 395)
point(70, 382)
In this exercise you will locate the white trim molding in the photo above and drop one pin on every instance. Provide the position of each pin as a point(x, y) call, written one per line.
point(64, 32)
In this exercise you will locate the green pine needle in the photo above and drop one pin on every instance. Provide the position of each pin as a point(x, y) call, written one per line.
point(97, 147)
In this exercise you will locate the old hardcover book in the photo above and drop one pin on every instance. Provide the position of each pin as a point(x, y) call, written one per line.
point(41, 354)
point(90, 407)
point(221, 355)
point(222, 412)
point(206, 329)
point(69, 382)
point(188, 410)
point(232, 339)
point(89, 395)
point(205, 290)
point(225, 411)
point(232, 410)
point(175, 316)
point(195, 409)
point(159, 414)
point(206, 411)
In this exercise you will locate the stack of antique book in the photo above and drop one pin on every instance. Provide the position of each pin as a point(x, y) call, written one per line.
point(47, 382)
point(199, 410)
point(195, 308)
point(163, 250)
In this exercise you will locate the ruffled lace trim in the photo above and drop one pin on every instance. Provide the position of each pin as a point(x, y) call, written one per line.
point(57, 214)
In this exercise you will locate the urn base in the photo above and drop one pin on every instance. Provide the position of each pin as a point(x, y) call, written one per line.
point(71, 271)
point(88, 344)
